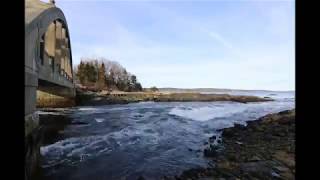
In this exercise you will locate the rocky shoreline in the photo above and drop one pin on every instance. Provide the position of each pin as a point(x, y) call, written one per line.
point(94, 98)
point(264, 149)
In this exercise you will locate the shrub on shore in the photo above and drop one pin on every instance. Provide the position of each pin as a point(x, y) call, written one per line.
point(154, 89)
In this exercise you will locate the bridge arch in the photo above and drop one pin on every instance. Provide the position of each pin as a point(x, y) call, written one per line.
point(48, 56)
point(36, 29)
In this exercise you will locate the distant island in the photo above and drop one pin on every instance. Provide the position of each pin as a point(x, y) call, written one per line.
point(202, 90)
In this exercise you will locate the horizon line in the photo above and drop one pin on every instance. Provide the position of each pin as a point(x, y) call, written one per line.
point(221, 89)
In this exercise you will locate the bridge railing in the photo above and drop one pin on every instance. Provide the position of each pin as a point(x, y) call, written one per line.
point(65, 75)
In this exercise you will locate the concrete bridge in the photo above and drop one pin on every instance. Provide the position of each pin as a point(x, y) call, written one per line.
point(48, 62)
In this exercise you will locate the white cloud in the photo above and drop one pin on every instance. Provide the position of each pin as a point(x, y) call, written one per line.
point(164, 64)
point(220, 39)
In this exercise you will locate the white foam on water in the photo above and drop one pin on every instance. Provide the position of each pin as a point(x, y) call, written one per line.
point(146, 102)
point(87, 109)
point(220, 124)
point(99, 120)
point(60, 146)
point(227, 110)
point(75, 148)
point(129, 107)
point(117, 108)
point(48, 113)
point(205, 113)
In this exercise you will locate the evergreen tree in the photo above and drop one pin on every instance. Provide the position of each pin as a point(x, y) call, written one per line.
point(154, 89)
point(138, 87)
point(81, 72)
point(101, 77)
point(133, 79)
point(91, 72)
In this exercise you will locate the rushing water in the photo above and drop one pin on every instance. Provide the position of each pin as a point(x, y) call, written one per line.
point(151, 139)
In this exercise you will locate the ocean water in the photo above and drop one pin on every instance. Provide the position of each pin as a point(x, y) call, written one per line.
point(149, 139)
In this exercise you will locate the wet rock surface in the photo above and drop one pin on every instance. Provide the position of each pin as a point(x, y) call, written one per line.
point(32, 155)
point(51, 125)
point(264, 149)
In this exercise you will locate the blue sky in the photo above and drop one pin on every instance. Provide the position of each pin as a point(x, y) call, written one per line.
point(238, 44)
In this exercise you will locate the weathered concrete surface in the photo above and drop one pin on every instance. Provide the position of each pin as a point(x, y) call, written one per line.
point(50, 100)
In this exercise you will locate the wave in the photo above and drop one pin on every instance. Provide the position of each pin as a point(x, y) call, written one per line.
point(77, 149)
point(99, 120)
point(205, 113)
point(48, 113)
point(87, 109)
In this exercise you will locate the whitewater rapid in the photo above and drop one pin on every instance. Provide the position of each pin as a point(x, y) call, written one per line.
point(152, 139)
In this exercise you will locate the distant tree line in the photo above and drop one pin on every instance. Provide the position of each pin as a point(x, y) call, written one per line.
point(101, 73)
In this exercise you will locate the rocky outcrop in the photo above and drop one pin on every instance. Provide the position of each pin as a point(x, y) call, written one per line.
point(209, 97)
point(93, 98)
point(264, 149)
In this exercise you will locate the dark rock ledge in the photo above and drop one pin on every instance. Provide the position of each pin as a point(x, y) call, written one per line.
point(264, 149)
